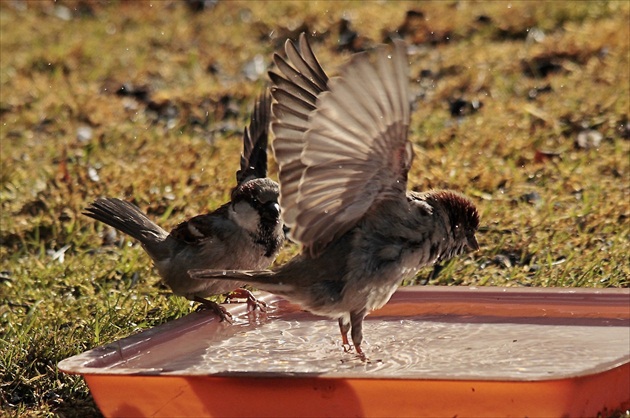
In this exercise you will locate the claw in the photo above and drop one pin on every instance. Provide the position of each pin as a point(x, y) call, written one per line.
point(252, 302)
point(349, 348)
point(219, 310)
point(361, 355)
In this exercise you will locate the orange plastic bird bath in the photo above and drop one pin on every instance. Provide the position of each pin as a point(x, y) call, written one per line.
point(434, 351)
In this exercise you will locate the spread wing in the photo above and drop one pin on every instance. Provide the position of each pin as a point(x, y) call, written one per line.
point(351, 149)
point(295, 98)
point(254, 157)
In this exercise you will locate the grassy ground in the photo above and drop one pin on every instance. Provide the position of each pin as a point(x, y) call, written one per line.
point(523, 106)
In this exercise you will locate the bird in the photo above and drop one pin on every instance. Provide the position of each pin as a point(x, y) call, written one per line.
point(343, 153)
point(244, 233)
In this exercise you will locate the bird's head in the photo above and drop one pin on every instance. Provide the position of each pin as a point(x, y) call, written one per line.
point(255, 204)
point(462, 220)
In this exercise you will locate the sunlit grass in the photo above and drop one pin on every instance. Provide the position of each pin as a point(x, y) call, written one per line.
point(553, 214)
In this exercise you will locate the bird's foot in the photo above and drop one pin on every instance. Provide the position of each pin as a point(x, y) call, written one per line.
point(361, 355)
point(219, 310)
point(349, 348)
point(252, 302)
point(363, 358)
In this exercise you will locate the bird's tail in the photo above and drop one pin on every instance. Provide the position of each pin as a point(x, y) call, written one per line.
point(126, 217)
point(267, 280)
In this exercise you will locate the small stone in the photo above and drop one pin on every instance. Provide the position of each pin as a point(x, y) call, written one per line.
point(588, 138)
point(84, 133)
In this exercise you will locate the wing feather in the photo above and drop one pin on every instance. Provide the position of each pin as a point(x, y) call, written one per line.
point(344, 151)
point(254, 156)
point(295, 95)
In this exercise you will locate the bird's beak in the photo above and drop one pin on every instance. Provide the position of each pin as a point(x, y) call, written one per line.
point(472, 243)
point(271, 211)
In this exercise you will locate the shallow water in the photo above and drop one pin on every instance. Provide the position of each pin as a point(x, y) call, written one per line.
point(420, 347)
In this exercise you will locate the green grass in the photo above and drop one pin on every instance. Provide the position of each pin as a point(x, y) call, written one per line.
point(553, 214)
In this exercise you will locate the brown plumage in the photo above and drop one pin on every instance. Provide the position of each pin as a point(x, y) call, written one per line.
point(343, 154)
point(245, 233)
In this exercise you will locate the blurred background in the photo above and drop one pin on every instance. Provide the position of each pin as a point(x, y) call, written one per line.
point(523, 106)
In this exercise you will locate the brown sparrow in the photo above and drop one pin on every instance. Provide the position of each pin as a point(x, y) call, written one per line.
point(342, 148)
point(245, 233)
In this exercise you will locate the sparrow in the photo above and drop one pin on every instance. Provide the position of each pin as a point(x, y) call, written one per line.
point(244, 233)
point(343, 154)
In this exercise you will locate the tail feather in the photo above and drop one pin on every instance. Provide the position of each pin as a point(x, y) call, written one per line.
point(127, 218)
point(266, 280)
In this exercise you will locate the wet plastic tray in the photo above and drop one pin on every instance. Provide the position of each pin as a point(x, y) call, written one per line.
point(434, 351)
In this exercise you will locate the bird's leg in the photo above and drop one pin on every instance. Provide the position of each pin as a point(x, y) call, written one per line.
point(356, 319)
point(344, 327)
point(252, 302)
point(214, 307)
